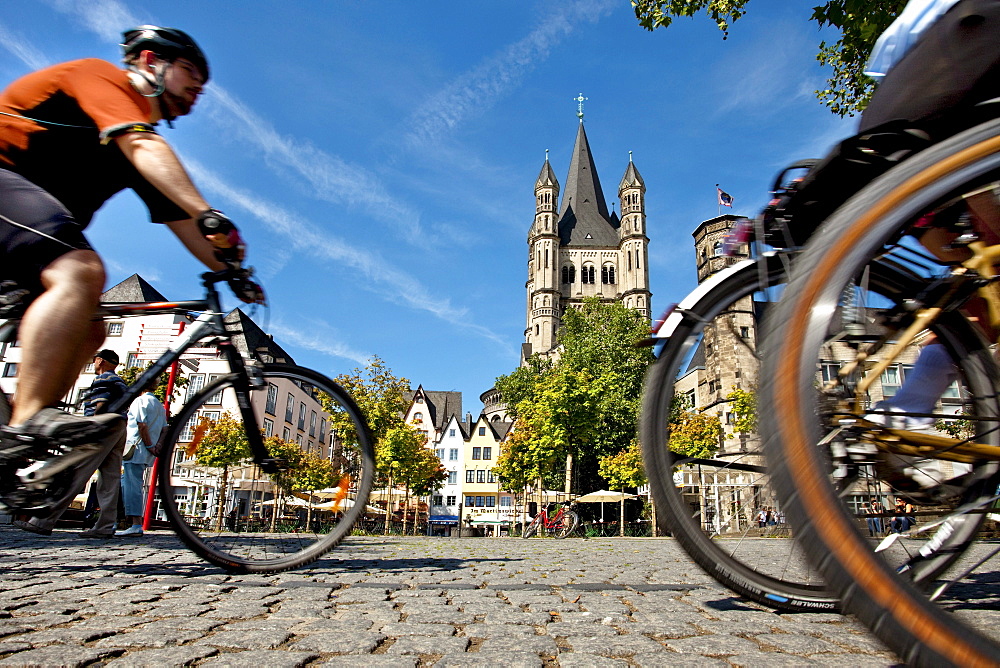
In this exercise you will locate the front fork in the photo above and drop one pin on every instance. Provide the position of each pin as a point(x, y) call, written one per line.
point(247, 376)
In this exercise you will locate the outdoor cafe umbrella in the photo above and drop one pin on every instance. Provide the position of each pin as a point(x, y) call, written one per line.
point(603, 496)
point(344, 504)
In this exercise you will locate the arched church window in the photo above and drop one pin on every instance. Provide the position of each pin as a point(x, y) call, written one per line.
point(536, 329)
point(588, 274)
point(608, 274)
point(630, 260)
point(569, 274)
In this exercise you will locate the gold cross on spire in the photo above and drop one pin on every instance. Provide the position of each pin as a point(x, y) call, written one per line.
point(579, 99)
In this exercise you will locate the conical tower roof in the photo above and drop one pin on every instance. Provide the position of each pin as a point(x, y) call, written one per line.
point(583, 214)
point(546, 177)
point(632, 178)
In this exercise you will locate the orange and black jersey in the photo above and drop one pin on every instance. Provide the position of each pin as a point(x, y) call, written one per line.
point(56, 127)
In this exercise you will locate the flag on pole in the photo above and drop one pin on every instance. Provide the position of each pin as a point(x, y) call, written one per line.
point(725, 199)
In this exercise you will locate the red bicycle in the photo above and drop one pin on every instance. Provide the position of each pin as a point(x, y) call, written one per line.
point(559, 525)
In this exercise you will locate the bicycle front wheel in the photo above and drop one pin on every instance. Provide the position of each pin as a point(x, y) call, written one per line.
point(710, 504)
point(233, 514)
point(532, 528)
point(569, 522)
point(824, 450)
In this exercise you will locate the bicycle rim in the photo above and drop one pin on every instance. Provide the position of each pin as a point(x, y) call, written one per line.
point(688, 495)
point(233, 514)
point(874, 223)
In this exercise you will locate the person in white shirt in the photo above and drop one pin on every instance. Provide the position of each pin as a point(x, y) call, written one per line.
point(146, 420)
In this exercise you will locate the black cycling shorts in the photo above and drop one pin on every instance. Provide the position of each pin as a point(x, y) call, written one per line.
point(35, 229)
point(954, 65)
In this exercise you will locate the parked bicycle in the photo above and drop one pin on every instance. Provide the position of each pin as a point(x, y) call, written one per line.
point(559, 525)
point(301, 502)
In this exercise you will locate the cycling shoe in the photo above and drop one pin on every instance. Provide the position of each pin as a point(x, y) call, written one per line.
point(39, 458)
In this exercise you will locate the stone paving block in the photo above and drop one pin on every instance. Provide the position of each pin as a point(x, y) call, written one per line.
point(614, 646)
point(517, 617)
point(259, 658)
point(71, 636)
point(491, 660)
point(484, 608)
point(261, 624)
point(236, 611)
point(854, 642)
point(359, 642)
point(56, 656)
point(372, 661)
point(169, 656)
point(712, 645)
point(794, 643)
point(672, 660)
point(439, 616)
point(11, 646)
point(661, 630)
point(575, 629)
point(856, 660)
point(499, 630)
point(39, 622)
point(417, 629)
point(770, 659)
point(416, 645)
point(247, 639)
point(542, 645)
point(591, 618)
point(150, 637)
point(332, 625)
point(177, 610)
point(589, 661)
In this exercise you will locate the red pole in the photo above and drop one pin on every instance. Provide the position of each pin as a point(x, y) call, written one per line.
point(148, 516)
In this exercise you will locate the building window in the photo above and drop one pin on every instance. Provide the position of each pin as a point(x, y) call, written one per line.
point(452, 477)
point(451, 433)
point(487, 453)
point(490, 477)
point(272, 399)
point(131, 360)
point(470, 476)
point(482, 431)
point(322, 430)
point(588, 274)
point(453, 455)
point(477, 453)
point(286, 435)
point(289, 408)
point(10, 369)
point(480, 475)
point(302, 416)
point(505, 502)
point(440, 453)
point(569, 274)
point(450, 501)
point(312, 423)
point(470, 501)
point(744, 332)
point(491, 501)
point(196, 381)
point(480, 502)
point(298, 440)
point(268, 427)
point(608, 275)
point(115, 328)
point(418, 418)
point(438, 500)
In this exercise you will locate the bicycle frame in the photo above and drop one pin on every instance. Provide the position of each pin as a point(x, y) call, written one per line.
point(207, 325)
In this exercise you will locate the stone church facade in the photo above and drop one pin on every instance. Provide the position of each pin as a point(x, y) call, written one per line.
point(578, 249)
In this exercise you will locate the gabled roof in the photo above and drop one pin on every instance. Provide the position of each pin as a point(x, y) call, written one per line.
point(441, 406)
point(252, 341)
point(583, 214)
point(133, 289)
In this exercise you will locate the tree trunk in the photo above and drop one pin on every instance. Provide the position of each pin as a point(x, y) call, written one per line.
point(406, 508)
point(222, 499)
point(388, 507)
point(621, 515)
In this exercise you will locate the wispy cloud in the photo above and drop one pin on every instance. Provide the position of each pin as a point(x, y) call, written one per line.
point(22, 49)
point(483, 86)
point(107, 18)
point(320, 338)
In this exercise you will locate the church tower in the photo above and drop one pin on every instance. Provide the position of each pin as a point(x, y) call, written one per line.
point(580, 249)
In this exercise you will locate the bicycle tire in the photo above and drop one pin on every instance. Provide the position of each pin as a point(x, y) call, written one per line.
point(284, 531)
point(921, 631)
point(570, 520)
point(532, 528)
point(736, 566)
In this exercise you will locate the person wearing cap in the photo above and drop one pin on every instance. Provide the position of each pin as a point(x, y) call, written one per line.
point(106, 388)
point(71, 136)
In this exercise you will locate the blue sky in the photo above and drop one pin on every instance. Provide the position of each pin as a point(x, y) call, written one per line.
point(380, 158)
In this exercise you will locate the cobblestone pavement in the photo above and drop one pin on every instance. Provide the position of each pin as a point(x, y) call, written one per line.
point(399, 602)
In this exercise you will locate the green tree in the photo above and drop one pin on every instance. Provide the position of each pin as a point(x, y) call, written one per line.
point(744, 410)
point(378, 393)
point(223, 443)
point(582, 406)
point(860, 22)
point(695, 434)
point(624, 469)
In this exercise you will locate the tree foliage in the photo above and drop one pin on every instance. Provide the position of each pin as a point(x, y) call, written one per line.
point(584, 404)
point(860, 22)
point(378, 393)
point(744, 410)
point(695, 434)
point(624, 469)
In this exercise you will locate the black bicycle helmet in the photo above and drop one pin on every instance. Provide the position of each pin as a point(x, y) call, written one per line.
point(168, 43)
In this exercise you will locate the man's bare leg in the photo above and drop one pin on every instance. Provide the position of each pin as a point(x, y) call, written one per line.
point(57, 333)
